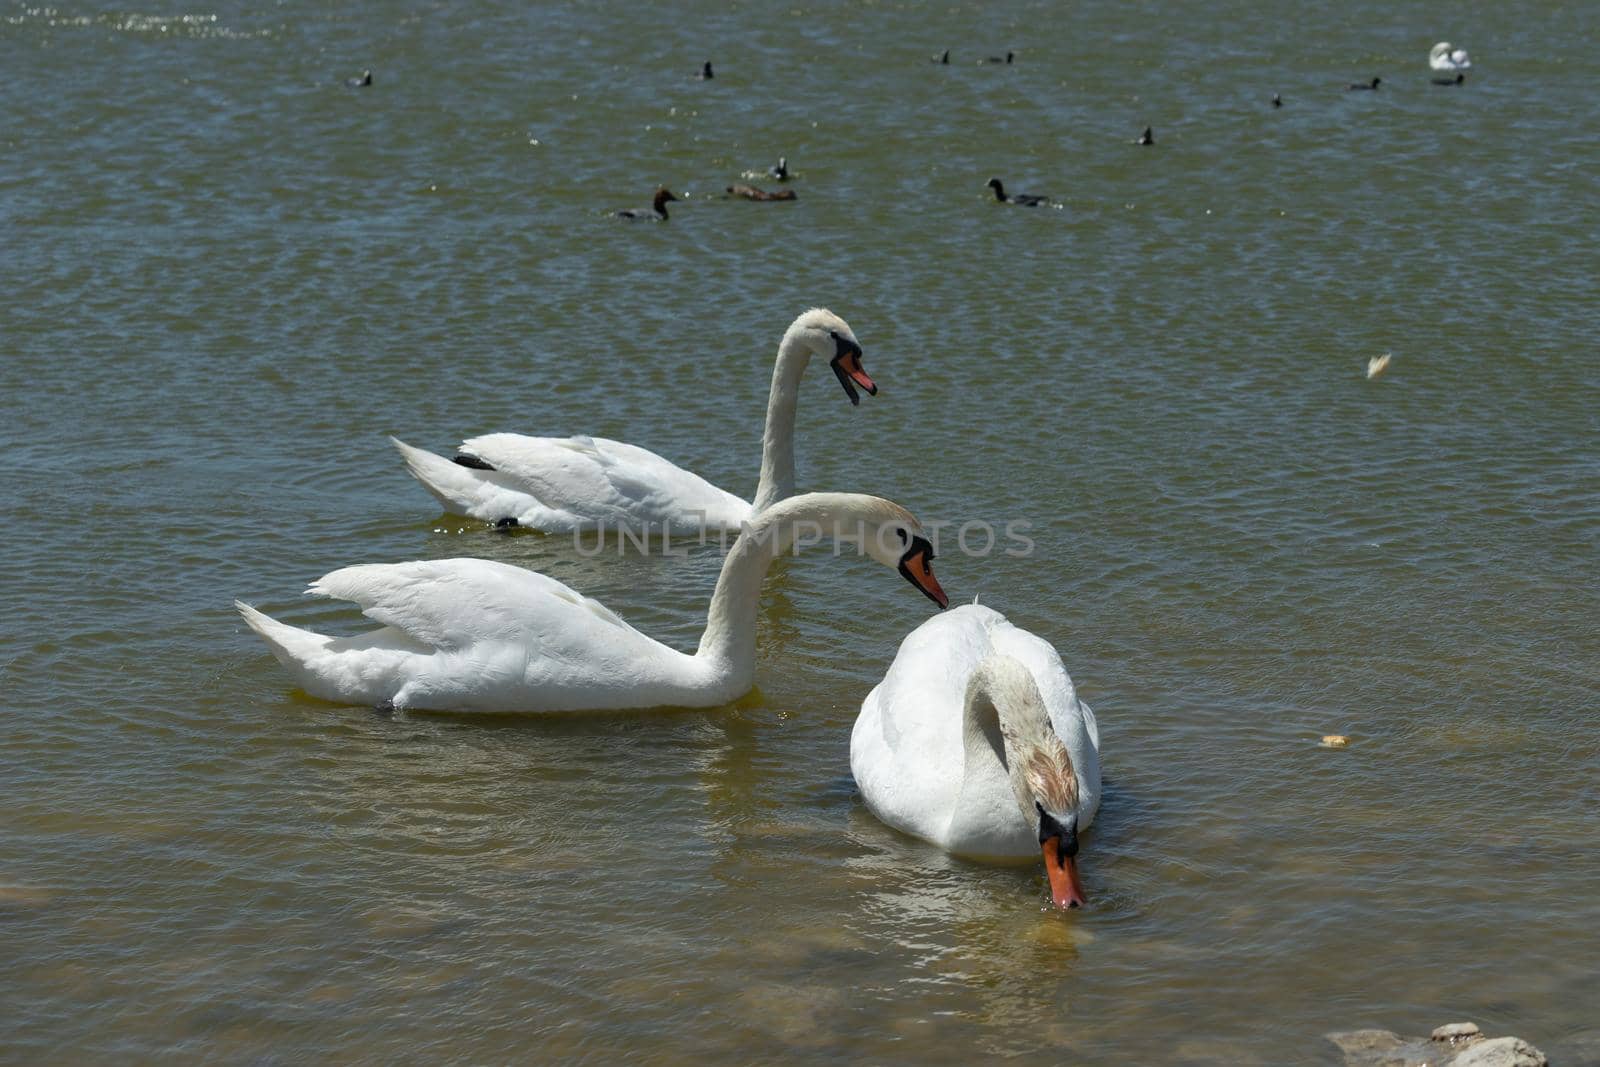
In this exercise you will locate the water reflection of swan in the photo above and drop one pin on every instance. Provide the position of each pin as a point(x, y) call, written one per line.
point(975, 741)
point(959, 931)
point(476, 635)
point(1446, 58)
point(562, 484)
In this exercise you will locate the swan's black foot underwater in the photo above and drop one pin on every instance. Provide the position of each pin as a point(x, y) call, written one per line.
point(508, 523)
point(474, 462)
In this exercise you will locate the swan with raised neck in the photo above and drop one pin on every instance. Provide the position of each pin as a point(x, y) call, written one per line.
point(817, 332)
point(566, 484)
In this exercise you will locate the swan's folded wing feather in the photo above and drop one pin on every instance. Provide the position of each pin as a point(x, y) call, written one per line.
point(557, 470)
point(660, 487)
point(452, 603)
point(609, 481)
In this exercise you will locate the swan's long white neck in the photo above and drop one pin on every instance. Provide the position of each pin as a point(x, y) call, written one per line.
point(728, 645)
point(1006, 730)
point(777, 442)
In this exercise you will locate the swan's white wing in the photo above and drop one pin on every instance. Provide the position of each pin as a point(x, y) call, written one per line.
point(487, 495)
point(474, 635)
point(907, 747)
point(596, 480)
point(452, 604)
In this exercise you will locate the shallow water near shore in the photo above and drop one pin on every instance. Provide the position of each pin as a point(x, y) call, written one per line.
point(228, 277)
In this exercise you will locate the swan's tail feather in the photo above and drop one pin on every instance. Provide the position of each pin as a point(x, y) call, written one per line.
point(455, 486)
point(290, 645)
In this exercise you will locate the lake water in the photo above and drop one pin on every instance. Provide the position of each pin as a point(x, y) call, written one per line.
point(227, 277)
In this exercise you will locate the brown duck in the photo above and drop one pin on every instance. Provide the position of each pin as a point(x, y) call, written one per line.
point(750, 192)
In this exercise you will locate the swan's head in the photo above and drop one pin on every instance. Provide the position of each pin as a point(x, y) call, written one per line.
point(1058, 839)
point(878, 528)
point(1050, 781)
point(894, 538)
point(827, 336)
point(1038, 764)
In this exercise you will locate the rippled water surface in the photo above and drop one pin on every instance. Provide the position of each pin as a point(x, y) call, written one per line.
point(227, 277)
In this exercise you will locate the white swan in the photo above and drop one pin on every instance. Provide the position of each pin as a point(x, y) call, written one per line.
point(976, 741)
point(563, 484)
point(475, 635)
point(1443, 57)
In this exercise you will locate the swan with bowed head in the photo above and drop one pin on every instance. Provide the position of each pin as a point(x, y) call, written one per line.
point(975, 740)
point(1448, 59)
point(566, 484)
point(476, 635)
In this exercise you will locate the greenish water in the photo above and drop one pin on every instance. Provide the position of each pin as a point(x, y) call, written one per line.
point(227, 277)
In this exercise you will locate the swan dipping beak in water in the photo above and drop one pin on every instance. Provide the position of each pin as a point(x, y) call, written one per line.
point(975, 740)
point(1060, 846)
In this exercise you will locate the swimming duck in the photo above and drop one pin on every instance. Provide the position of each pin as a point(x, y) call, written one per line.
point(706, 73)
point(1359, 86)
point(998, 59)
point(1020, 199)
point(1147, 137)
point(943, 58)
point(364, 80)
point(781, 171)
point(750, 192)
point(658, 211)
point(1277, 100)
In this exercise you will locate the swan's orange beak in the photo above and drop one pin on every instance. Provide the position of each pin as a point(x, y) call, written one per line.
point(916, 565)
point(847, 368)
point(1065, 890)
point(851, 365)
